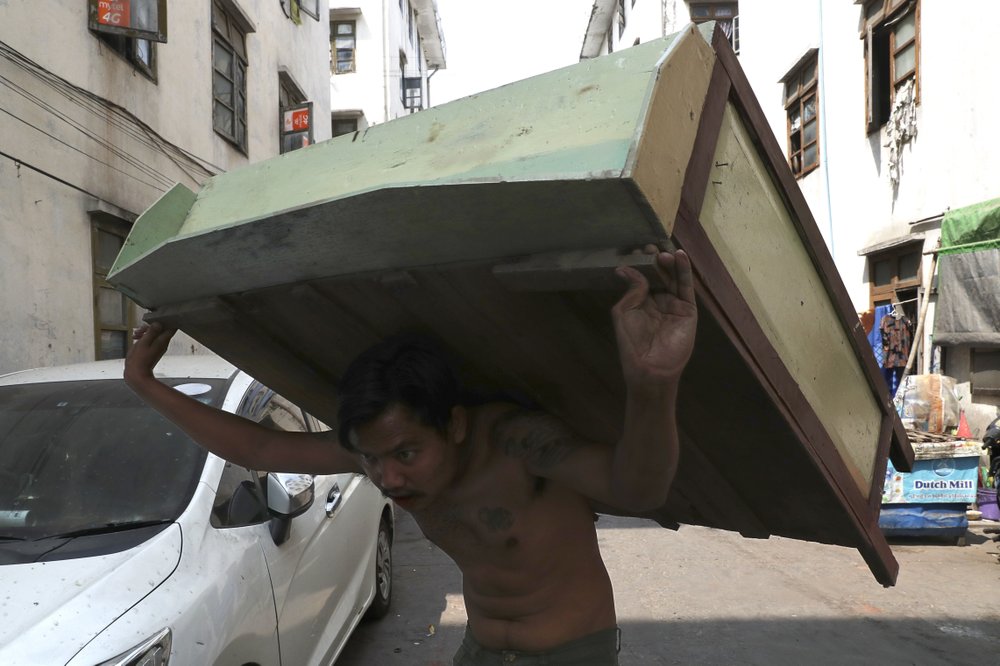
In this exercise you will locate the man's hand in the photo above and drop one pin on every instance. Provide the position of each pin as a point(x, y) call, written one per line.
point(149, 344)
point(656, 331)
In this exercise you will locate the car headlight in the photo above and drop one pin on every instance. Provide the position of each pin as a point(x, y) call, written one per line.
point(154, 651)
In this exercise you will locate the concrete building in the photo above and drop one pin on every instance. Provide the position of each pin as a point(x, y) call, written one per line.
point(886, 125)
point(619, 24)
point(99, 120)
point(384, 55)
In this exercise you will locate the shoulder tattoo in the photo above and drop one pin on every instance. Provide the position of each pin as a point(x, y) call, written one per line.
point(541, 440)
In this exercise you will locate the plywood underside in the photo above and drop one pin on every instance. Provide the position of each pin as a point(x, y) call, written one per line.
point(742, 467)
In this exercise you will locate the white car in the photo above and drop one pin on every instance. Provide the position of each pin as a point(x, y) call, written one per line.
point(124, 543)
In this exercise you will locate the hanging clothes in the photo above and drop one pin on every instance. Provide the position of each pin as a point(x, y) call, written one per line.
point(875, 335)
point(897, 336)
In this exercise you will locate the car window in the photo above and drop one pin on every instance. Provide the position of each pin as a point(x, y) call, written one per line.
point(240, 498)
point(89, 454)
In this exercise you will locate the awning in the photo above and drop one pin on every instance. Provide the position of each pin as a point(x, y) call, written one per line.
point(968, 307)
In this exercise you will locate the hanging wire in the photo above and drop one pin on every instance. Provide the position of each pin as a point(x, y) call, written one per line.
point(110, 114)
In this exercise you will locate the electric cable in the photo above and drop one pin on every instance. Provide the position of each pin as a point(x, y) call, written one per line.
point(19, 162)
point(110, 113)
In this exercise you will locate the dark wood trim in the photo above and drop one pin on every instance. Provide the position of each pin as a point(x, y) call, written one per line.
point(699, 167)
point(749, 108)
point(720, 297)
point(885, 437)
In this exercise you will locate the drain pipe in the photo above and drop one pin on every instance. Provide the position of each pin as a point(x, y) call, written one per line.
point(824, 144)
point(429, 86)
point(385, 60)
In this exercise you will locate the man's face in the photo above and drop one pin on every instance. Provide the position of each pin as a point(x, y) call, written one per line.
point(410, 462)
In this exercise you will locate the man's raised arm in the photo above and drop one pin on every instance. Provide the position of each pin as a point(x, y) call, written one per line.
point(229, 436)
point(655, 334)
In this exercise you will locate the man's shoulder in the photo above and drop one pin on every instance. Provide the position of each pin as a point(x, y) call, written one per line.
point(537, 437)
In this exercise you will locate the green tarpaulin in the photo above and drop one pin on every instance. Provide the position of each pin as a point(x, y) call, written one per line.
point(968, 307)
point(971, 229)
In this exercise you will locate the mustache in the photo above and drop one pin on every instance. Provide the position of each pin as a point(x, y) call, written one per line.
point(397, 494)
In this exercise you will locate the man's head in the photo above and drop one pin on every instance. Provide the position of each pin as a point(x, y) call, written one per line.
point(399, 408)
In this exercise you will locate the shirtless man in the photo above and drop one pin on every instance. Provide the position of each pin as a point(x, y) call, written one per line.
point(506, 492)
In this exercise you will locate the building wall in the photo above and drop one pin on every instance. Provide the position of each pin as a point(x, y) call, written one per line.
point(383, 32)
point(948, 164)
point(86, 135)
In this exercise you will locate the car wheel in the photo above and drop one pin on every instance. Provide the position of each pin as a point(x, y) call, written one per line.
point(383, 573)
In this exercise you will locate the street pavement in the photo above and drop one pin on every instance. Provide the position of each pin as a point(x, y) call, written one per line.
point(703, 596)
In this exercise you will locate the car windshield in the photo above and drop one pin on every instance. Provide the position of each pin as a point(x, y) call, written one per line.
point(85, 455)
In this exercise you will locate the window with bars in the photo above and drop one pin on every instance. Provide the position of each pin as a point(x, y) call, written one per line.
point(891, 30)
point(229, 87)
point(802, 110)
point(345, 45)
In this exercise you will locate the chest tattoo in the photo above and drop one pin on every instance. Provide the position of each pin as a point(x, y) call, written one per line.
point(496, 519)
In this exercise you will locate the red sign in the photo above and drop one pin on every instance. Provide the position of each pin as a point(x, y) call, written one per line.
point(297, 120)
point(114, 12)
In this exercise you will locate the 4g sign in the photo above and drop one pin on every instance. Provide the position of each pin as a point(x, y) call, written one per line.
point(141, 19)
point(114, 12)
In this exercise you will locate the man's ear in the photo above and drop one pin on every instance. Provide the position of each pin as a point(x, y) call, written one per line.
point(459, 424)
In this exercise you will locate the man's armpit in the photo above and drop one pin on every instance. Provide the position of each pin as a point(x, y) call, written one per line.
point(541, 440)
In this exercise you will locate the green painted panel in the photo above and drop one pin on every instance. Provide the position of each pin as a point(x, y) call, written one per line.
point(159, 223)
point(750, 228)
point(574, 122)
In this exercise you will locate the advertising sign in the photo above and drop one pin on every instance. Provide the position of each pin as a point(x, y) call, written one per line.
point(114, 12)
point(297, 120)
point(296, 126)
point(936, 481)
point(138, 19)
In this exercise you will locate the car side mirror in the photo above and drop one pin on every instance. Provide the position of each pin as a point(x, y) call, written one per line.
point(288, 495)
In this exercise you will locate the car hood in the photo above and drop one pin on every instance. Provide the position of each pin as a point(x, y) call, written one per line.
point(52, 609)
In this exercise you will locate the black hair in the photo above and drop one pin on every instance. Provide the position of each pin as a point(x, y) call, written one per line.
point(407, 369)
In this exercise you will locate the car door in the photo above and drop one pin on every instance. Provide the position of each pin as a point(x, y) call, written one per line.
point(317, 574)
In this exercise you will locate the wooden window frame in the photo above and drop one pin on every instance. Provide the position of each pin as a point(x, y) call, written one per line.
point(335, 65)
point(714, 6)
point(119, 229)
point(313, 11)
point(878, 17)
point(889, 292)
point(229, 36)
point(796, 98)
point(128, 49)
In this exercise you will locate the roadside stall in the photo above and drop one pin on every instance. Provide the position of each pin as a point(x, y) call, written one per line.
point(932, 499)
